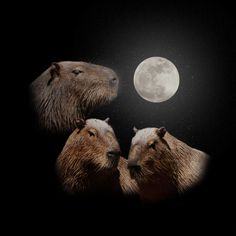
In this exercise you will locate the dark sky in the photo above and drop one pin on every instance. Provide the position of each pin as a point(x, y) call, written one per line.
point(198, 39)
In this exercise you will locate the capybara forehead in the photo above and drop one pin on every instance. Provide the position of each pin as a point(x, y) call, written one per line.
point(101, 126)
point(144, 135)
point(71, 65)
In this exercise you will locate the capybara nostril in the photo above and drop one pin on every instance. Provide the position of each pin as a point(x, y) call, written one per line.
point(114, 153)
point(114, 80)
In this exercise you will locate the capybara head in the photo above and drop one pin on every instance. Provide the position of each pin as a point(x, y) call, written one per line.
point(147, 152)
point(92, 148)
point(157, 155)
point(68, 91)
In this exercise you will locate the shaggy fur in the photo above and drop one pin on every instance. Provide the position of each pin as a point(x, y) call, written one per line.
point(68, 91)
point(161, 164)
point(84, 167)
point(127, 184)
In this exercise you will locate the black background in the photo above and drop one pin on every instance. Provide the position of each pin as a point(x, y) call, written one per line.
point(199, 40)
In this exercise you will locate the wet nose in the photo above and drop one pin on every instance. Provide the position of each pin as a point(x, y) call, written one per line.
point(114, 80)
point(114, 153)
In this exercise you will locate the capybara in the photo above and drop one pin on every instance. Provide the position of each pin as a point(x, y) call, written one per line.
point(90, 161)
point(162, 165)
point(68, 91)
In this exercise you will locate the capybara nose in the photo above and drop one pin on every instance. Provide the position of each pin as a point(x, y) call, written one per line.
point(114, 80)
point(133, 166)
point(115, 153)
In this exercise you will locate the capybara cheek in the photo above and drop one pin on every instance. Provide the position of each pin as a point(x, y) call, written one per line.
point(149, 163)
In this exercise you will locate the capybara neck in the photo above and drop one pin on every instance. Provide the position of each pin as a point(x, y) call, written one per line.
point(94, 181)
point(189, 164)
point(158, 188)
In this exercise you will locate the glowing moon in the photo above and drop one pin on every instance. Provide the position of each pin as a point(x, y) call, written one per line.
point(156, 79)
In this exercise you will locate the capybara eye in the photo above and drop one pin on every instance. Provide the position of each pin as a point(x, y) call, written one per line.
point(152, 145)
point(91, 133)
point(77, 71)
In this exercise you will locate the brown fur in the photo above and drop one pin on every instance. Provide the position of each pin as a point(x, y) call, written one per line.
point(83, 165)
point(162, 165)
point(127, 184)
point(68, 91)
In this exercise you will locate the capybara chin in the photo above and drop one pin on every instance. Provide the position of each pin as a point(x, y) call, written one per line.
point(68, 91)
point(89, 161)
point(163, 165)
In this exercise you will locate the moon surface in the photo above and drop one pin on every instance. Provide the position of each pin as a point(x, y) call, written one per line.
point(156, 79)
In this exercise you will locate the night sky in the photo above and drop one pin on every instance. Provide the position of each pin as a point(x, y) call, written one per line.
point(198, 39)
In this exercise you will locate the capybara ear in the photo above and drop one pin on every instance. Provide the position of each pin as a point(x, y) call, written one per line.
point(107, 120)
point(80, 123)
point(135, 130)
point(55, 68)
point(54, 71)
point(161, 132)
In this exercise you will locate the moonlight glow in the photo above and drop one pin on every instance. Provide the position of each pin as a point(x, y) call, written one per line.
point(156, 79)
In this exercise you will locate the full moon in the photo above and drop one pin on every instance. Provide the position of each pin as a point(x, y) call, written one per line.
point(156, 79)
